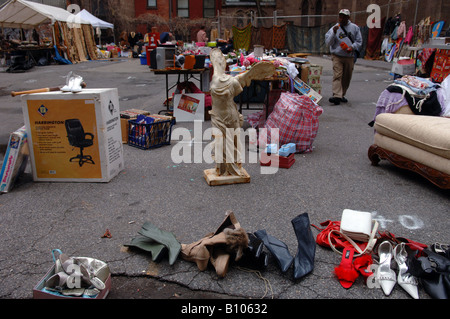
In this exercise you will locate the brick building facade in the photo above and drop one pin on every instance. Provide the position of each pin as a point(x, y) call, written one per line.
point(128, 14)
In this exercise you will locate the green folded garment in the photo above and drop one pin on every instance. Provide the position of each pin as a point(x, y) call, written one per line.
point(156, 241)
point(155, 249)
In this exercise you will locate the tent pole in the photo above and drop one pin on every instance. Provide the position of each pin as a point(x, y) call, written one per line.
point(415, 14)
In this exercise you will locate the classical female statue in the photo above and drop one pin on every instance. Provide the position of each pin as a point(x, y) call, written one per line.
point(226, 119)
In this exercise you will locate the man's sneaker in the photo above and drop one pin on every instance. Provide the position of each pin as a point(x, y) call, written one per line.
point(344, 100)
point(335, 100)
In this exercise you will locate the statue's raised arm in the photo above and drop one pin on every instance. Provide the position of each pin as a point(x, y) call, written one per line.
point(258, 71)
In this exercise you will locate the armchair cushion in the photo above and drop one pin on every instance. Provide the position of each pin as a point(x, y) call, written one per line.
point(429, 133)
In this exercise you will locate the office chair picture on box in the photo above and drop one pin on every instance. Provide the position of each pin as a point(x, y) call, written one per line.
point(77, 138)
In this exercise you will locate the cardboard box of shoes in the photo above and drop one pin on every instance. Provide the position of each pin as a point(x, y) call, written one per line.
point(74, 136)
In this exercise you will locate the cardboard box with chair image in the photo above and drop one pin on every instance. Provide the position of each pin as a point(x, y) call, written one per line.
point(74, 136)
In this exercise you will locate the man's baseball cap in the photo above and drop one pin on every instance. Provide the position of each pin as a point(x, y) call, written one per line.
point(345, 12)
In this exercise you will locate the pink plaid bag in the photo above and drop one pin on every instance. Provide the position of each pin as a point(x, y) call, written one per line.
point(297, 119)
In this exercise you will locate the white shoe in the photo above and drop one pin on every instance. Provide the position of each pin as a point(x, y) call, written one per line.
point(405, 280)
point(68, 86)
point(69, 83)
point(76, 85)
point(384, 274)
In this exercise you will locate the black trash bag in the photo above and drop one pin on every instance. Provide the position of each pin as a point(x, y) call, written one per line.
point(20, 64)
point(42, 61)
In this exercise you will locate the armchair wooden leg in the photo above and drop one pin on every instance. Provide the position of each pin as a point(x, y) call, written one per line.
point(441, 180)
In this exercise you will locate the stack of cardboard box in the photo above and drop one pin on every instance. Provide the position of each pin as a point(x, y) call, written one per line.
point(314, 73)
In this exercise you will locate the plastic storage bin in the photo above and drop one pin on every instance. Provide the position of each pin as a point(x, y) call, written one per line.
point(149, 135)
point(143, 58)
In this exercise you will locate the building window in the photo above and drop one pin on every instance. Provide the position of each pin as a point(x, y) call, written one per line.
point(151, 4)
point(183, 8)
point(209, 8)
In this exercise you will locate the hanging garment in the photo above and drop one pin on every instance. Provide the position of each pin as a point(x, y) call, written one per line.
point(307, 39)
point(242, 37)
point(387, 27)
point(214, 34)
point(409, 35)
point(401, 30)
point(373, 48)
point(279, 36)
point(394, 35)
point(266, 37)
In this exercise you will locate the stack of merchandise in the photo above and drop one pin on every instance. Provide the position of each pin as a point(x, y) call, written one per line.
point(127, 115)
point(284, 157)
point(314, 73)
point(150, 131)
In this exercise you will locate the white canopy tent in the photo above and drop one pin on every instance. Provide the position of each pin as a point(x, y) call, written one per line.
point(27, 15)
point(96, 22)
point(71, 34)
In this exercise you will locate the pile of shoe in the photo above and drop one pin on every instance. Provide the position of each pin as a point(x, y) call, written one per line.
point(416, 263)
point(428, 267)
point(229, 240)
point(77, 276)
point(386, 277)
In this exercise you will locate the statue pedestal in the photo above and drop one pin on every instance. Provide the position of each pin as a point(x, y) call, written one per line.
point(214, 180)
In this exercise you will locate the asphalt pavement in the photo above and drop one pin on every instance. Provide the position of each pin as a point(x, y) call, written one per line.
point(36, 217)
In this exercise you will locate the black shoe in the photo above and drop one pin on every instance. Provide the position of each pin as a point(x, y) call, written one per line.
point(277, 248)
point(344, 100)
point(335, 100)
point(304, 259)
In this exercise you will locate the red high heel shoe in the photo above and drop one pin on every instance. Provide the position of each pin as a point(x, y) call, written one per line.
point(346, 272)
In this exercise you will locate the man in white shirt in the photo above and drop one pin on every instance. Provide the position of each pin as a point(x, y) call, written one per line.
point(344, 40)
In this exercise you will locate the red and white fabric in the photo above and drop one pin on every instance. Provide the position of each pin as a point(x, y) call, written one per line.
point(297, 119)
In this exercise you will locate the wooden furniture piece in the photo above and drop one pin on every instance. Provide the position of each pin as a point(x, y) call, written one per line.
point(418, 143)
point(376, 154)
